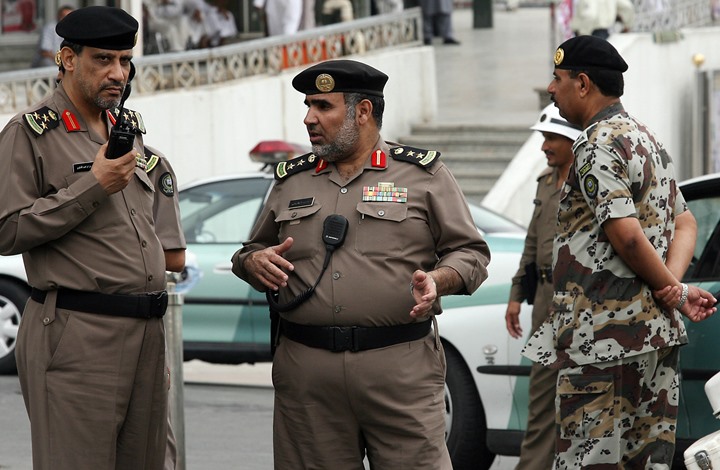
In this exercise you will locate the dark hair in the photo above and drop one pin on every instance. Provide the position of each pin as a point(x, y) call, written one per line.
point(76, 48)
point(378, 105)
point(609, 82)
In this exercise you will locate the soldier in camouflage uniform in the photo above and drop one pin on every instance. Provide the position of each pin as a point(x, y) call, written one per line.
point(624, 239)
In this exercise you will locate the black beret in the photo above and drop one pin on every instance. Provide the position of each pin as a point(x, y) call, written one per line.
point(340, 76)
point(588, 53)
point(100, 27)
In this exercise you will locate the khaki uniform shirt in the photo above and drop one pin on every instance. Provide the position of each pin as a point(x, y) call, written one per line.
point(166, 207)
point(602, 310)
point(389, 237)
point(54, 211)
point(539, 244)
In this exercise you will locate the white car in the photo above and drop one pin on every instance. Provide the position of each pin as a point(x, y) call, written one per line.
point(226, 321)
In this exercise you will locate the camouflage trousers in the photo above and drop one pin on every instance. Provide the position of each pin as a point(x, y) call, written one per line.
point(618, 414)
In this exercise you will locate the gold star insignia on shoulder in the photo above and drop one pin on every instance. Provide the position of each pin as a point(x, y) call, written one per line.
point(41, 120)
point(291, 167)
point(421, 157)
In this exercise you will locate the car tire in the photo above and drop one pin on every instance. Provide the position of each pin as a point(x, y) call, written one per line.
point(465, 418)
point(12, 302)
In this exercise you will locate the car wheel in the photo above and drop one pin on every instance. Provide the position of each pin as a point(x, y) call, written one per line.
point(464, 417)
point(12, 301)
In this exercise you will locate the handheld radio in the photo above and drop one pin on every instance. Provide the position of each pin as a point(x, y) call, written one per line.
point(121, 136)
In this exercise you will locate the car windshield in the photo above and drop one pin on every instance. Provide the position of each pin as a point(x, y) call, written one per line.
point(492, 222)
point(222, 211)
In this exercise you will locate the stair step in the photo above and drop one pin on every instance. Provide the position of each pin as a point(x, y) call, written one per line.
point(476, 171)
point(432, 142)
point(468, 129)
point(477, 155)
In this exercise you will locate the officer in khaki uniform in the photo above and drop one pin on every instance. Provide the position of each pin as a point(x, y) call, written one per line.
point(624, 238)
point(358, 368)
point(91, 346)
point(538, 444)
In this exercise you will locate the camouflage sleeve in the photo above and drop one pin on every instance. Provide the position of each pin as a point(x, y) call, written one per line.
point(605, 182)
point(680, 204)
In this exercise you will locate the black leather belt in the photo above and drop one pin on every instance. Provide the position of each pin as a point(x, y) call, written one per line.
point(150, 305)
point(545, 274)
point(353, 338)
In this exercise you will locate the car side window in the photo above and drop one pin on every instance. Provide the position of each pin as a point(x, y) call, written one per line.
point(707, 247)
point(222, 212)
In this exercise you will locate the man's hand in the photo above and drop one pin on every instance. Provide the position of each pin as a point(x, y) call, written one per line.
point(700, 304)
point(269, 266)
point(114, 174)
point(667, 297)
point(424, 291)
point(512, 319)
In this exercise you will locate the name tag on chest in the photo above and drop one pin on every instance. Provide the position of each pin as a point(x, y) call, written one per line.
point(80, 167)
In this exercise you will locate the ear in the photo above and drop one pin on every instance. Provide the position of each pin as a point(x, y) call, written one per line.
point(67, 58)
point(363, 111)
point(584, 84)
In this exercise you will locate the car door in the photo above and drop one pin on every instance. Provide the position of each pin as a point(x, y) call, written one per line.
point(224, 319)
point(699, 359)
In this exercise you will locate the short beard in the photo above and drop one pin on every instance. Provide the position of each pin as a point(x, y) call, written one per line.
point(106, 103)
point(342, 147)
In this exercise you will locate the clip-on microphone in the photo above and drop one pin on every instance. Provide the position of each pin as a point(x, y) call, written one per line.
point(334, 230)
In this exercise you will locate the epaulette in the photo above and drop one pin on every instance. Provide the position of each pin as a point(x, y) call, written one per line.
point(546, 171)
point(132, 118)
point(151, 160)
point(44, 119)
point(296, 165)
point(421, 157)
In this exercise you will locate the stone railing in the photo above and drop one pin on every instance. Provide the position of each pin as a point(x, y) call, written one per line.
point(665, 15)
point(181, 70)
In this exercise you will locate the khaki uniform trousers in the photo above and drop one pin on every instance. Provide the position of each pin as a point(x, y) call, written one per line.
point(330, 408)
point(95, 389)
point(538, 445)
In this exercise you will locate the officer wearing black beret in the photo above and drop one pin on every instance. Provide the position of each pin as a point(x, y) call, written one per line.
point(90, 349)
point(359, 368)
point(624, 240)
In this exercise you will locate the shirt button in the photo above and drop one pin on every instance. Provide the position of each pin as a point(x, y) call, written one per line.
point(338, 309)
point(132, 211)
point(95, 204)
point(343, 190)
point(336, 276)
point(150, 277)
point(381, 213)
point(46, 321)
point(144, 243)
point(293, 215)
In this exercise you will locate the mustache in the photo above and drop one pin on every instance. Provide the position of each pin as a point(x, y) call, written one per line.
point(105, 86)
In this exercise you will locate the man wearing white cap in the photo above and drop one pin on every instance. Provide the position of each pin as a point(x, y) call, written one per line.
point(533, 281)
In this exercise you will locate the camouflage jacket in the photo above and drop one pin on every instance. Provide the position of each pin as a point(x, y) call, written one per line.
point(601, 310)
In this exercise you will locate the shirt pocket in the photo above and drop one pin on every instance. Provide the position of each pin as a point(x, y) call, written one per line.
point(377, 232)
point(587, 406)
point(303, 226)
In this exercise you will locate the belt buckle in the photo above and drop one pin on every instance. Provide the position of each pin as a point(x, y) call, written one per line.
point(344, 338)
point(158, 304)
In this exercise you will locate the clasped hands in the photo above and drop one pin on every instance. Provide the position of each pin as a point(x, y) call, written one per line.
point(699, 305)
